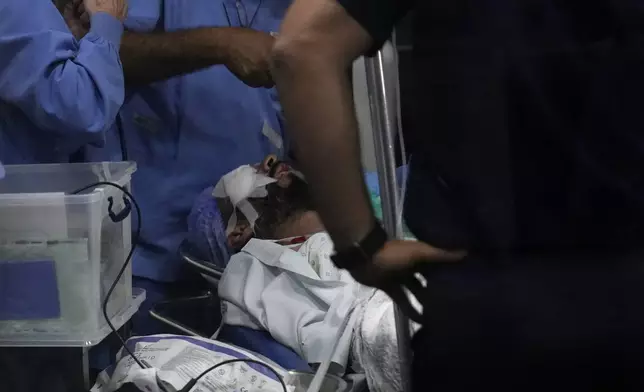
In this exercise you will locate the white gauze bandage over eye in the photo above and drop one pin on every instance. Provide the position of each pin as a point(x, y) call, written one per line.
point(239, 185)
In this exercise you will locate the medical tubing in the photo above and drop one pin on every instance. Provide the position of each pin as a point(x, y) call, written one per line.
point(191, 384)
point(401, 138)
point(135, 241)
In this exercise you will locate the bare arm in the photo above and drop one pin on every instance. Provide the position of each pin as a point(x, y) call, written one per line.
point(62, 85)
point(151, 57)
point(317, 45)
point(156, 56)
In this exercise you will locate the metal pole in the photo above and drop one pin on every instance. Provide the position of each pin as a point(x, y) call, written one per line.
point(381, 102)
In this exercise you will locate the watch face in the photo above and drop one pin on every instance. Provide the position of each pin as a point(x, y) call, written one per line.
point(362, 252)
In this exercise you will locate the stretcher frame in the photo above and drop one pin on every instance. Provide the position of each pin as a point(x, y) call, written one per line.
point(383, 102)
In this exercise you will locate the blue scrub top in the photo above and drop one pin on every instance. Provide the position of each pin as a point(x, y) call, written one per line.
point(188, 131)
point(56, 93)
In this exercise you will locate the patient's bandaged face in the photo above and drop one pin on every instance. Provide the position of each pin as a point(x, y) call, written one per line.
point(238, 186)
point(262, 201)
point(250, 201)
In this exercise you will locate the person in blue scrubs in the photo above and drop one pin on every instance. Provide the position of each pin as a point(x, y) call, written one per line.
point(57, 93)
point(198, 105)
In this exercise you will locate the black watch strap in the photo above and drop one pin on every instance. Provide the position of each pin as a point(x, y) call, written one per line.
point(362, 252)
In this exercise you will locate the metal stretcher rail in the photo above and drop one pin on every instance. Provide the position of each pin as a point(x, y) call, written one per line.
point(199, 265)
point(385, 128)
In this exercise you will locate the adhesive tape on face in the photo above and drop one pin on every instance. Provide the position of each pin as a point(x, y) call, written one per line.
point(239, 185)
point(242, 183)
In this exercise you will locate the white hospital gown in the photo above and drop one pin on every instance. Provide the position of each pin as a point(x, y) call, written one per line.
point(301, 298)
point(301, 304)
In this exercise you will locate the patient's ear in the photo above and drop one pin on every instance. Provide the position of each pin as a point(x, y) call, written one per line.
point(239, 237)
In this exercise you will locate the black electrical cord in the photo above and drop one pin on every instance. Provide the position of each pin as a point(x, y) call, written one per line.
point(135, 240)
point(194, 381)
point(122, 140)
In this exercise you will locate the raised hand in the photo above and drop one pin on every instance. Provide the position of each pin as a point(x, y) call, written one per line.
point(73, 18)
point(116, 8)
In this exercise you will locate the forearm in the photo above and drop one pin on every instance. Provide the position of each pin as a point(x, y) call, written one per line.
point(318, 102)
point(62, 85)
point(151, 57)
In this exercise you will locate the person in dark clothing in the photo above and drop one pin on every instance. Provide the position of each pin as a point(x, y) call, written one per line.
point(528, 181)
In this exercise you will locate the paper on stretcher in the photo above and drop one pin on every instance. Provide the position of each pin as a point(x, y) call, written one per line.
point(176, 359)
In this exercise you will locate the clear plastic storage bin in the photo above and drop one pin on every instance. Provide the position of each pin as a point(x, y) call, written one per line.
point(60, 252)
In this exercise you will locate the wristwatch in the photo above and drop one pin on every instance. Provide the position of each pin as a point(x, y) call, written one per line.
point(362, 252)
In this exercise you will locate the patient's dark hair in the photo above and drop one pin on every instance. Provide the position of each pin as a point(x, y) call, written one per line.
point(281, 205)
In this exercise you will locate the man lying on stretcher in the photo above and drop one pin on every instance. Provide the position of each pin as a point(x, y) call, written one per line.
point(260, 223)
point(285, 210)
